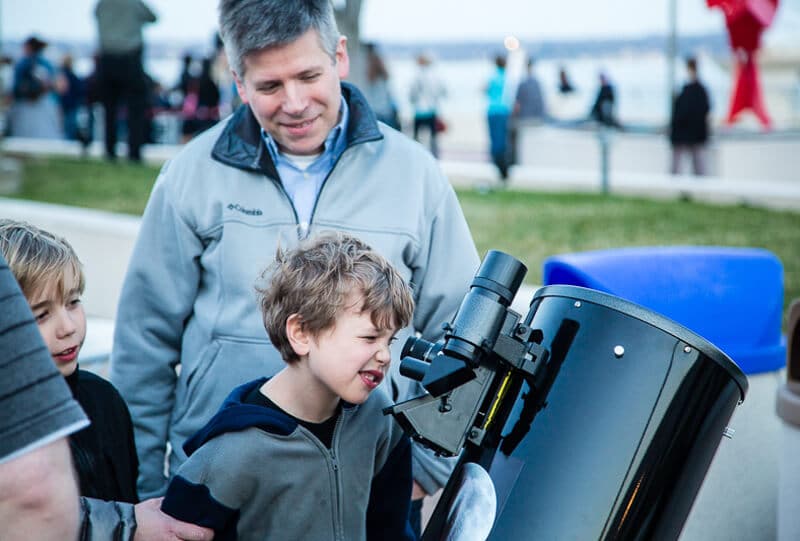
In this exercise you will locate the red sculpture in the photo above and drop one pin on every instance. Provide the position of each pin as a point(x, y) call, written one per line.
point(746, 20)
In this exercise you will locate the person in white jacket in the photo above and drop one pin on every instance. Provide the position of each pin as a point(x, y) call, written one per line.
point(427, 91)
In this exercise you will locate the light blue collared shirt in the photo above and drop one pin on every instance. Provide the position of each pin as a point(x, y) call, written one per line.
point(303, 185)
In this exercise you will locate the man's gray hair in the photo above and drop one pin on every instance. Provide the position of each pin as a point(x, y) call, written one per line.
point(247, 26)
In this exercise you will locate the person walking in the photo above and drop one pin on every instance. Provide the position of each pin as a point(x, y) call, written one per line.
point(121, 74)
point(498, 112)
point(303, 154)
point(688, 126)
point(377, 90)
point(427, 90)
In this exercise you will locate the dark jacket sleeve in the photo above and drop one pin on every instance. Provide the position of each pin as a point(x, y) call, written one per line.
point(106, 521)
point(194, 503)
point(390, 497)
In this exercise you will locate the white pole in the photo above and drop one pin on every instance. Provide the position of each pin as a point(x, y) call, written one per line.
point(672, 51)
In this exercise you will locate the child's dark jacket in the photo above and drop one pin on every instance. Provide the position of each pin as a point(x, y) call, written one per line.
point(254, 473)
point(104, 453)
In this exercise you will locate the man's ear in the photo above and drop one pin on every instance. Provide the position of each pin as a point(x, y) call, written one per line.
point(299, 338)
point(342, 59)
point(240, 87)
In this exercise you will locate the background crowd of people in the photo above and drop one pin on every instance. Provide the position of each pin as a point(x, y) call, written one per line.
point(120, 100)
point(50, 101)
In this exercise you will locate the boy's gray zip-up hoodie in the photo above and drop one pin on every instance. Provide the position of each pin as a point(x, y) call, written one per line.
point(255, 473)
point(214, 219)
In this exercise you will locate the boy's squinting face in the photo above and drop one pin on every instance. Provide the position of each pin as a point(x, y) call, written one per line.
point(61, 320)
point(351, 359)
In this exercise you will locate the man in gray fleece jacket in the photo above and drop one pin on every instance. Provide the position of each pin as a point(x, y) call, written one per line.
point(304, 153)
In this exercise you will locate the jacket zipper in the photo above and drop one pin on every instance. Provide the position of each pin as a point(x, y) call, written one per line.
point(338, 525)
point(325, 180)
point(303, 233)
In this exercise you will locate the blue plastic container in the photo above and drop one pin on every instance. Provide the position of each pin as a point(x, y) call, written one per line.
point(733, 297)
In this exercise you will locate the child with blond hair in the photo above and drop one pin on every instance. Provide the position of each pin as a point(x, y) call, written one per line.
point(51, 278)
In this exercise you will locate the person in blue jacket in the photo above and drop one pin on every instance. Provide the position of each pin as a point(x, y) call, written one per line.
point(308, 453)
point(498, 113)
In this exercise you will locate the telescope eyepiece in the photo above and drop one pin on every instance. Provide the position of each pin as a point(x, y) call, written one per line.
point(420, 349)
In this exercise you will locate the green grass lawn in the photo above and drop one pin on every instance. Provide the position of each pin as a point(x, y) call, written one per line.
point(118, 187)
point(528, 225)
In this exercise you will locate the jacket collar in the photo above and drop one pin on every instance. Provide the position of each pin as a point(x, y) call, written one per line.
point(240, 144)
point(236, 415)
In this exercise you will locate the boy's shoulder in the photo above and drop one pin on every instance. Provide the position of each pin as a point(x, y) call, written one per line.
point(90, 377)
point(237, 415)
point(97, 385)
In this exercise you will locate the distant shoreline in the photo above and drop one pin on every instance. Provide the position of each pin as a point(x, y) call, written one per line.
point(715, 43)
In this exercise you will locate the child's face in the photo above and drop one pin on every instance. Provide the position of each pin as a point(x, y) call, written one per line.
point(61, 321)
point(351, 359)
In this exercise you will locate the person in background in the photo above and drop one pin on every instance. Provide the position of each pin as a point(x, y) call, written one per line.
point(604, 107)
point(51, 278)
point(331, 307)
point(159, 112)
point(221, 73)
point(498, 112)
point(529, 109)
point(529, 100)
point(121, 74)
point(6, 80)
point(34, 110)
point(38, 490)
point(688, 126)
point(71, 97)
point(379, 95)
point(185, 78)
point(427, 91)
point(201, 103)
point(564, 84)
point(302, 154)
point(94, 99)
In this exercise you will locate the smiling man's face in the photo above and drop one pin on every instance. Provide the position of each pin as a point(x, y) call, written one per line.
point(294, 93)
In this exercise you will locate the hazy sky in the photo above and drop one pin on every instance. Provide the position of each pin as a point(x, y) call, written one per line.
point(404, 20)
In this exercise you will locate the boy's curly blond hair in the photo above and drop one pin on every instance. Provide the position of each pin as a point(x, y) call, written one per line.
point(317, 279)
